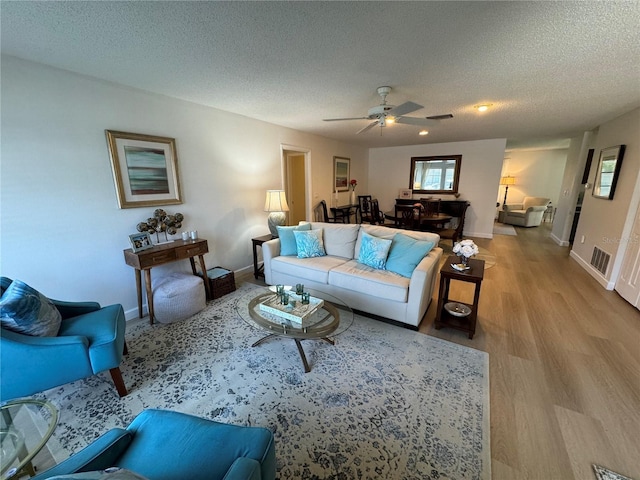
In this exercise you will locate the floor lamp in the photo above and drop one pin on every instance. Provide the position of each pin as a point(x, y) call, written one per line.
point(276, 204)
point(508, 180)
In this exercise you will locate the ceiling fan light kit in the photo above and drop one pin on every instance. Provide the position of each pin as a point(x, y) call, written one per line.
point(384, 114)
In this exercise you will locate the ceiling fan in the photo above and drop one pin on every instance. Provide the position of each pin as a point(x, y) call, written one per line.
point(385, 113)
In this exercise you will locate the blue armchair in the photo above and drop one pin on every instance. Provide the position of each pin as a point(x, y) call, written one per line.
point(90, 340)
point(166, 445)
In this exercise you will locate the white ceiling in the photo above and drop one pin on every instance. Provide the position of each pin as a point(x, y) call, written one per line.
point(551, 69)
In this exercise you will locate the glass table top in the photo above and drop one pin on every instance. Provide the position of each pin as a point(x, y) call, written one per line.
point(25, 427)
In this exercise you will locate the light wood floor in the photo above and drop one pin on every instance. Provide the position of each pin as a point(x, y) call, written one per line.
point(564, 358)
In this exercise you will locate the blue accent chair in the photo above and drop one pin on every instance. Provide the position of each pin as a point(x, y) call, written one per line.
point(90, 341)
point(166, 445)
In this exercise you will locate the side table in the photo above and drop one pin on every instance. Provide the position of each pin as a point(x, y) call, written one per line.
point(258, 271)
point(474, 275)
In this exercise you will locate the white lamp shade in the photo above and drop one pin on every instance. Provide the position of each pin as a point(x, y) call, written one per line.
point(276, 201)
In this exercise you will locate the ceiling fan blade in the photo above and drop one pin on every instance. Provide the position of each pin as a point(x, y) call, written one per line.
point(416, 121)
point(440, 117)
point(371, 125)
point(340, 119)
point(403, 109)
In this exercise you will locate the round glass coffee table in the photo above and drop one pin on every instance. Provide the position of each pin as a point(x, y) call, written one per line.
point(330, 319)
point(25, 427)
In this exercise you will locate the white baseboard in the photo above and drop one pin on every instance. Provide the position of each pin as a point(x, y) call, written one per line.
point(562, 243)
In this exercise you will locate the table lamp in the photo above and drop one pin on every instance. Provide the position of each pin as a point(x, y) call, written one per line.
point(276, 203)
point(508, 180)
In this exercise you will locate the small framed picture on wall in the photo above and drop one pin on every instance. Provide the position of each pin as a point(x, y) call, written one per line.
point(341, 174)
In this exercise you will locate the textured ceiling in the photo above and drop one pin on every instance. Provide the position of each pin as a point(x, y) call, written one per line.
point(551, 69)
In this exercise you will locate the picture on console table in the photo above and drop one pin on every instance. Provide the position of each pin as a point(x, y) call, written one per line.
point(140, 241)
point(341, 174)
point(145, 169)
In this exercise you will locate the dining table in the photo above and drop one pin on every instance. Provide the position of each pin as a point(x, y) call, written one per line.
point(432, 221)
point(344, 212)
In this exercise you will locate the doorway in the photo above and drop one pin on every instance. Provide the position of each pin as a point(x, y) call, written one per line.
point(295, 168)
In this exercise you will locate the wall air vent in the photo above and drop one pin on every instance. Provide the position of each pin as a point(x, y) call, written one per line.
point(600, 260)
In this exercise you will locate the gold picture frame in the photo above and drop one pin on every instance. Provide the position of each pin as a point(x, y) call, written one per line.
point(145, 169)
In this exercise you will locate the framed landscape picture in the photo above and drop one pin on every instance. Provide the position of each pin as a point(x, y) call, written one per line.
point(145, 169)
point(341, 174)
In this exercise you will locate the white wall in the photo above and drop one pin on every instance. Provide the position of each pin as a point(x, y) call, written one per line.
point(538, 173)
point(61, 228)
point(602, 222)
point(389, 171)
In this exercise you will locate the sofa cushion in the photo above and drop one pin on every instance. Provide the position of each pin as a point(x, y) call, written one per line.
point(358, 277)
point(388, 233)
point(534, 202)
point(374, 251)
point(406, 253)
point(288, 239)
point(517, 213)
point(25, 310)
point(309, 243)
point(307, 269)
point(339, 238)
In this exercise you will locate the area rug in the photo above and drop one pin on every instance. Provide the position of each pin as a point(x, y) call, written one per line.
point(383, 402)
point(606, 474)
point(489, 258)
point(503, 229)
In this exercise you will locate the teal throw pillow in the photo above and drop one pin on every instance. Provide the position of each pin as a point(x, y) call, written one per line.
point(309, 243)
point(406, 253)
point(288, 239)
point(25, 310)
point(373, 251)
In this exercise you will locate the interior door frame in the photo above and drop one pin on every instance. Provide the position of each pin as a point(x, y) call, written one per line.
point(284, 150)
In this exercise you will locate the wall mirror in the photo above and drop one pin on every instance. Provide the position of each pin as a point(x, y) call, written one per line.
point(609, 165)
point(435, 174)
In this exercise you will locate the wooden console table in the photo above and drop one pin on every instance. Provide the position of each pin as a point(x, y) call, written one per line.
point(161, 254)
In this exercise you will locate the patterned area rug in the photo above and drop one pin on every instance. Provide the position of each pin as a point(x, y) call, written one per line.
point(384, 402)
point(606, 474)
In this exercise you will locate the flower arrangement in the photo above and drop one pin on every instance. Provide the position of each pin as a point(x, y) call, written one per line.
point(465, 249)
point(353, 183)
point(161, 222)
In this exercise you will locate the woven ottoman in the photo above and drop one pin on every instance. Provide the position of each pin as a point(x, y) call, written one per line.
point(178, 296)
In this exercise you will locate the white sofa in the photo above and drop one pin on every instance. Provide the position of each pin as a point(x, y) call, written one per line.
point(529, 213)
point(377, 292)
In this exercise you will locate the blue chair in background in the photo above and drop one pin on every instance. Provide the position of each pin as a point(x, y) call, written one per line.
point(166, 445)
point(90, 341)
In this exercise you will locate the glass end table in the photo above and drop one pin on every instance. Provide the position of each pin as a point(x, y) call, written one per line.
point(25, 427)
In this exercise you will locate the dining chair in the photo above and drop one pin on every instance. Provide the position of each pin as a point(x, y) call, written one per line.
point(365, 208)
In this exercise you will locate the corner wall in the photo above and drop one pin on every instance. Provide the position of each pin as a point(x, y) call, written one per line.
point(61, 229)
point(602, 221)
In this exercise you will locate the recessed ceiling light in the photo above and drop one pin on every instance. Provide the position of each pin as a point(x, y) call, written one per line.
point(484, 107)
point(424, 132)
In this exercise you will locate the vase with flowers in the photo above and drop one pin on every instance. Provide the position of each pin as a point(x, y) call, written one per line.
point(353, 183)
point(465, 250)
